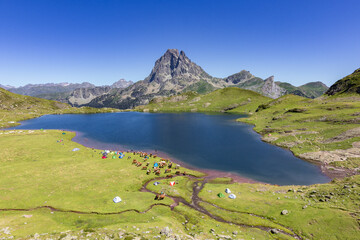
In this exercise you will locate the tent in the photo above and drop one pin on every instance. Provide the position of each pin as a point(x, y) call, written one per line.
point(172, 183)
point(76, 149)
point(221, 195)
point(156, 183)
point(114, 157)
point(63, 133)
point(103, 157)
point(227, 190)
point(156, 164)
point(232, 196)
point(121, 156)
point(117, 199)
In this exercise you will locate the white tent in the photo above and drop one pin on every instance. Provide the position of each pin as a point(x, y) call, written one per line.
point(227, 190)
point(76, 149)
point(232, 196)
point(117, 199)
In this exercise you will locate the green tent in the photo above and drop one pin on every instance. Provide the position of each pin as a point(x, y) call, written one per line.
point(114, 157)
point(221, 195)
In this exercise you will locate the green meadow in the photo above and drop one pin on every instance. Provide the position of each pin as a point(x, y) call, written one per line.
point(50, 191)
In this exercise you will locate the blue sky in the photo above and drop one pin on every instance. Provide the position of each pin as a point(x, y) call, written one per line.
point(103, 41)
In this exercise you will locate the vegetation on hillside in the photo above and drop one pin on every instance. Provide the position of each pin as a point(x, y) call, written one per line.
point(15, 107)
point(347, 85)
point(325, 129)
point(221, 100)
point(309, 90)
point(47, 194)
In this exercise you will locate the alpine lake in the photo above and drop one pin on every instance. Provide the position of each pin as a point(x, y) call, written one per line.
point(203, 141)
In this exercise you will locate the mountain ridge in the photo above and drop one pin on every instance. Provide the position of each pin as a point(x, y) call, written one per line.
point(174, 73)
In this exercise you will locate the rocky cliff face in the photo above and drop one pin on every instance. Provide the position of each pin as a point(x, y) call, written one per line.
point(271, 89)
point(122, 83)
point(82, 96)
point(172, 73)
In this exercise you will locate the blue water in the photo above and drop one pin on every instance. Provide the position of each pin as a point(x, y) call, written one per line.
point(205, 141)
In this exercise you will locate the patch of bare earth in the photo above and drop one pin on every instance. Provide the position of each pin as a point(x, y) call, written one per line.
point(326, 157)
point(355, 132)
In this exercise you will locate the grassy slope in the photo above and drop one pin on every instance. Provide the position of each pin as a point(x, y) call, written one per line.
point(347, 85)
point(318, 220)
point(219, 100)
point(310, 90)
point(15, 107)
point(307, 125)
point(50, 174)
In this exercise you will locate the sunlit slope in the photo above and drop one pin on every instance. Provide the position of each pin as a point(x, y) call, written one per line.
point(15, 107)
point(314, 129)
point(346, 86)
point(222, 100)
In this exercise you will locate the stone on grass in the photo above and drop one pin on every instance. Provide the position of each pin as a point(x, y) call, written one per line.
point(284, 212)
point(274, 231)
point(165, 231)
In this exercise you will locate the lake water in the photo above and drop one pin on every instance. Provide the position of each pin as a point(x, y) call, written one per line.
point(201, 140)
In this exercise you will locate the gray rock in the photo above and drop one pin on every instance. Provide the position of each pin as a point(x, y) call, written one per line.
point(165, 231)
point(284, 212)
point(274, 231)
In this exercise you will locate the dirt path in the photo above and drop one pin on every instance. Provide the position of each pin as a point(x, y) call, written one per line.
point(195, 204)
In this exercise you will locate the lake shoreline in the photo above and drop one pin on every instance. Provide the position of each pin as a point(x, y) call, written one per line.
point(210, 174)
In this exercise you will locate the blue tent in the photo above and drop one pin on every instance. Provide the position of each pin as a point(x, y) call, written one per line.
point(121, 156)
point(156, 164)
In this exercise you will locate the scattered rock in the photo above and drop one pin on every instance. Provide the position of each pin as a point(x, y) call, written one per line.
point(165, 231)
point(304, 207)
point(284, 212)
point(235, 232)
point(274, 231)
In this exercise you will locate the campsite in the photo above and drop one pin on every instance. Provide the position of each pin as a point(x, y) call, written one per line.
point(73, 190)
point(179, 120)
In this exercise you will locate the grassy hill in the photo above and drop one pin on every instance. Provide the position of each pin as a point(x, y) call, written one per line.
point(324, 130)
point(309, 90)
point(222, 100)
point(15, 107)
point(347, 85)
point(49, 191)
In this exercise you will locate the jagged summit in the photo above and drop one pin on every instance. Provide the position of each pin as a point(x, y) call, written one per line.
point(174, 65)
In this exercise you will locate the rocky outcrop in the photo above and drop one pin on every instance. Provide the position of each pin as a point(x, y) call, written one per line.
point(172, 73)
point(271, 89)
point(239, 77)
point(82, 96)
point(122, 83)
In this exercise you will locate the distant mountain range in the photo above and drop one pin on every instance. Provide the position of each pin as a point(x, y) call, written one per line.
point(173, 73)
point(77, 94)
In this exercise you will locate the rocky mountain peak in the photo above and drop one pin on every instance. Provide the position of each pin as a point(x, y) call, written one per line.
point(174, 65)
point(122, 83)
point(239, 77)
point(271, 89)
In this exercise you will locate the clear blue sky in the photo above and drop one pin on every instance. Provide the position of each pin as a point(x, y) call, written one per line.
point(103, 41)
